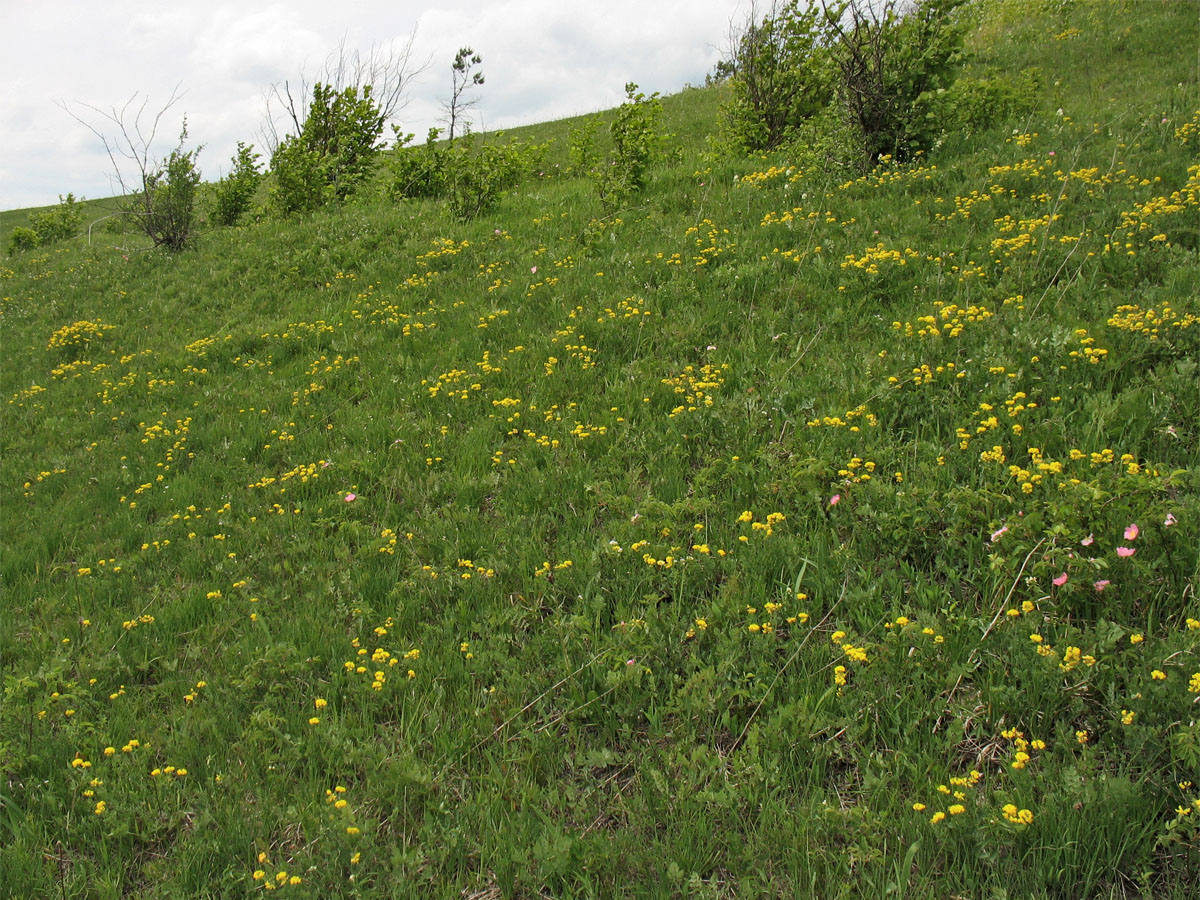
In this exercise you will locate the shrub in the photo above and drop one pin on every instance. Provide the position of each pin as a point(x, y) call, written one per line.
point(165, 208)
point(891, 67)
point(333, 152)
point(471, 179)
point(976, 104)
point(59, 222)
point(780, 74)
point(157, 195)
point(635, 141)
point(416, 171)
point(825, 143)
point(234, 193)
point(478, 179)
point(48, 226)
point(582, 150)
point(22, 238)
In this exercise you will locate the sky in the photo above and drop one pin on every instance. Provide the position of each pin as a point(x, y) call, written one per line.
point(542, 60)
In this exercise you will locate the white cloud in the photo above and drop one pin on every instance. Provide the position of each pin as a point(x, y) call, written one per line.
point(543, 59)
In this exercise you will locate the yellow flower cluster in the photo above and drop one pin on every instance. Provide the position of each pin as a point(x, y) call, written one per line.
point(872, 257)
point(305, 472)
point(79, 333)
point(696, 386)
point(1150, 322)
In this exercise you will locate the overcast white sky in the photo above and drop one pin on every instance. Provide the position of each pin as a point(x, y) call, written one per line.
point(542, 59)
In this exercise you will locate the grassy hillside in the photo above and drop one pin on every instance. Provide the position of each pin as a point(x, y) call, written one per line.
point(781, 535)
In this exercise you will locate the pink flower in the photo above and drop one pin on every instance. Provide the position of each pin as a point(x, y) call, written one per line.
point(533, 270)
point(999, 533)
point(1131, 533)
point(1169, 520)
point(833, 501)
point(350, 498)
point(1060, 580)
point(1087, 541)
point(1101, 584)
point(1125, 551)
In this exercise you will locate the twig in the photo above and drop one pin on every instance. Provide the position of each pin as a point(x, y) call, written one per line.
point(784, 667)
point(1016, 581)
point(529, 705)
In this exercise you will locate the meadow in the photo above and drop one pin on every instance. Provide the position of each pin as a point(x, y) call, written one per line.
point(781, 534)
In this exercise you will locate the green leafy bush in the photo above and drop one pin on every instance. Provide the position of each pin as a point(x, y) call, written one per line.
point(59, 222)
point(471, 178)
point(636, 139)
point(582, 150)
point(976, 104)
point(333, 152)
point(48, 226)
point(165, 209)
point(780, 76)
point(234, 193)
point(477, 179)
point(417, 171)
point(22, 238)
point(891, 66)
point(825, 143)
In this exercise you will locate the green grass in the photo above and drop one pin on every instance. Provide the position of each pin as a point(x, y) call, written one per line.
point(748, 580)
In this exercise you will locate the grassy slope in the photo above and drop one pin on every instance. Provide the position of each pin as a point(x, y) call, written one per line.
point(635, 690)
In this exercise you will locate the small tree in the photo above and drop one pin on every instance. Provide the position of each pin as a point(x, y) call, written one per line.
point(159, 195)
point(462, 78)
point(891, 65)
point(333, 151)
point(636, 139)
point(165, 208)
point(387, 69)
point(780, 73)
point(235, 192)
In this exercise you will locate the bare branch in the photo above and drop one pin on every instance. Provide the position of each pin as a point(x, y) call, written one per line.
point(159, 192)
point(462, 79)
point(387, 68)
point(130, 141)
